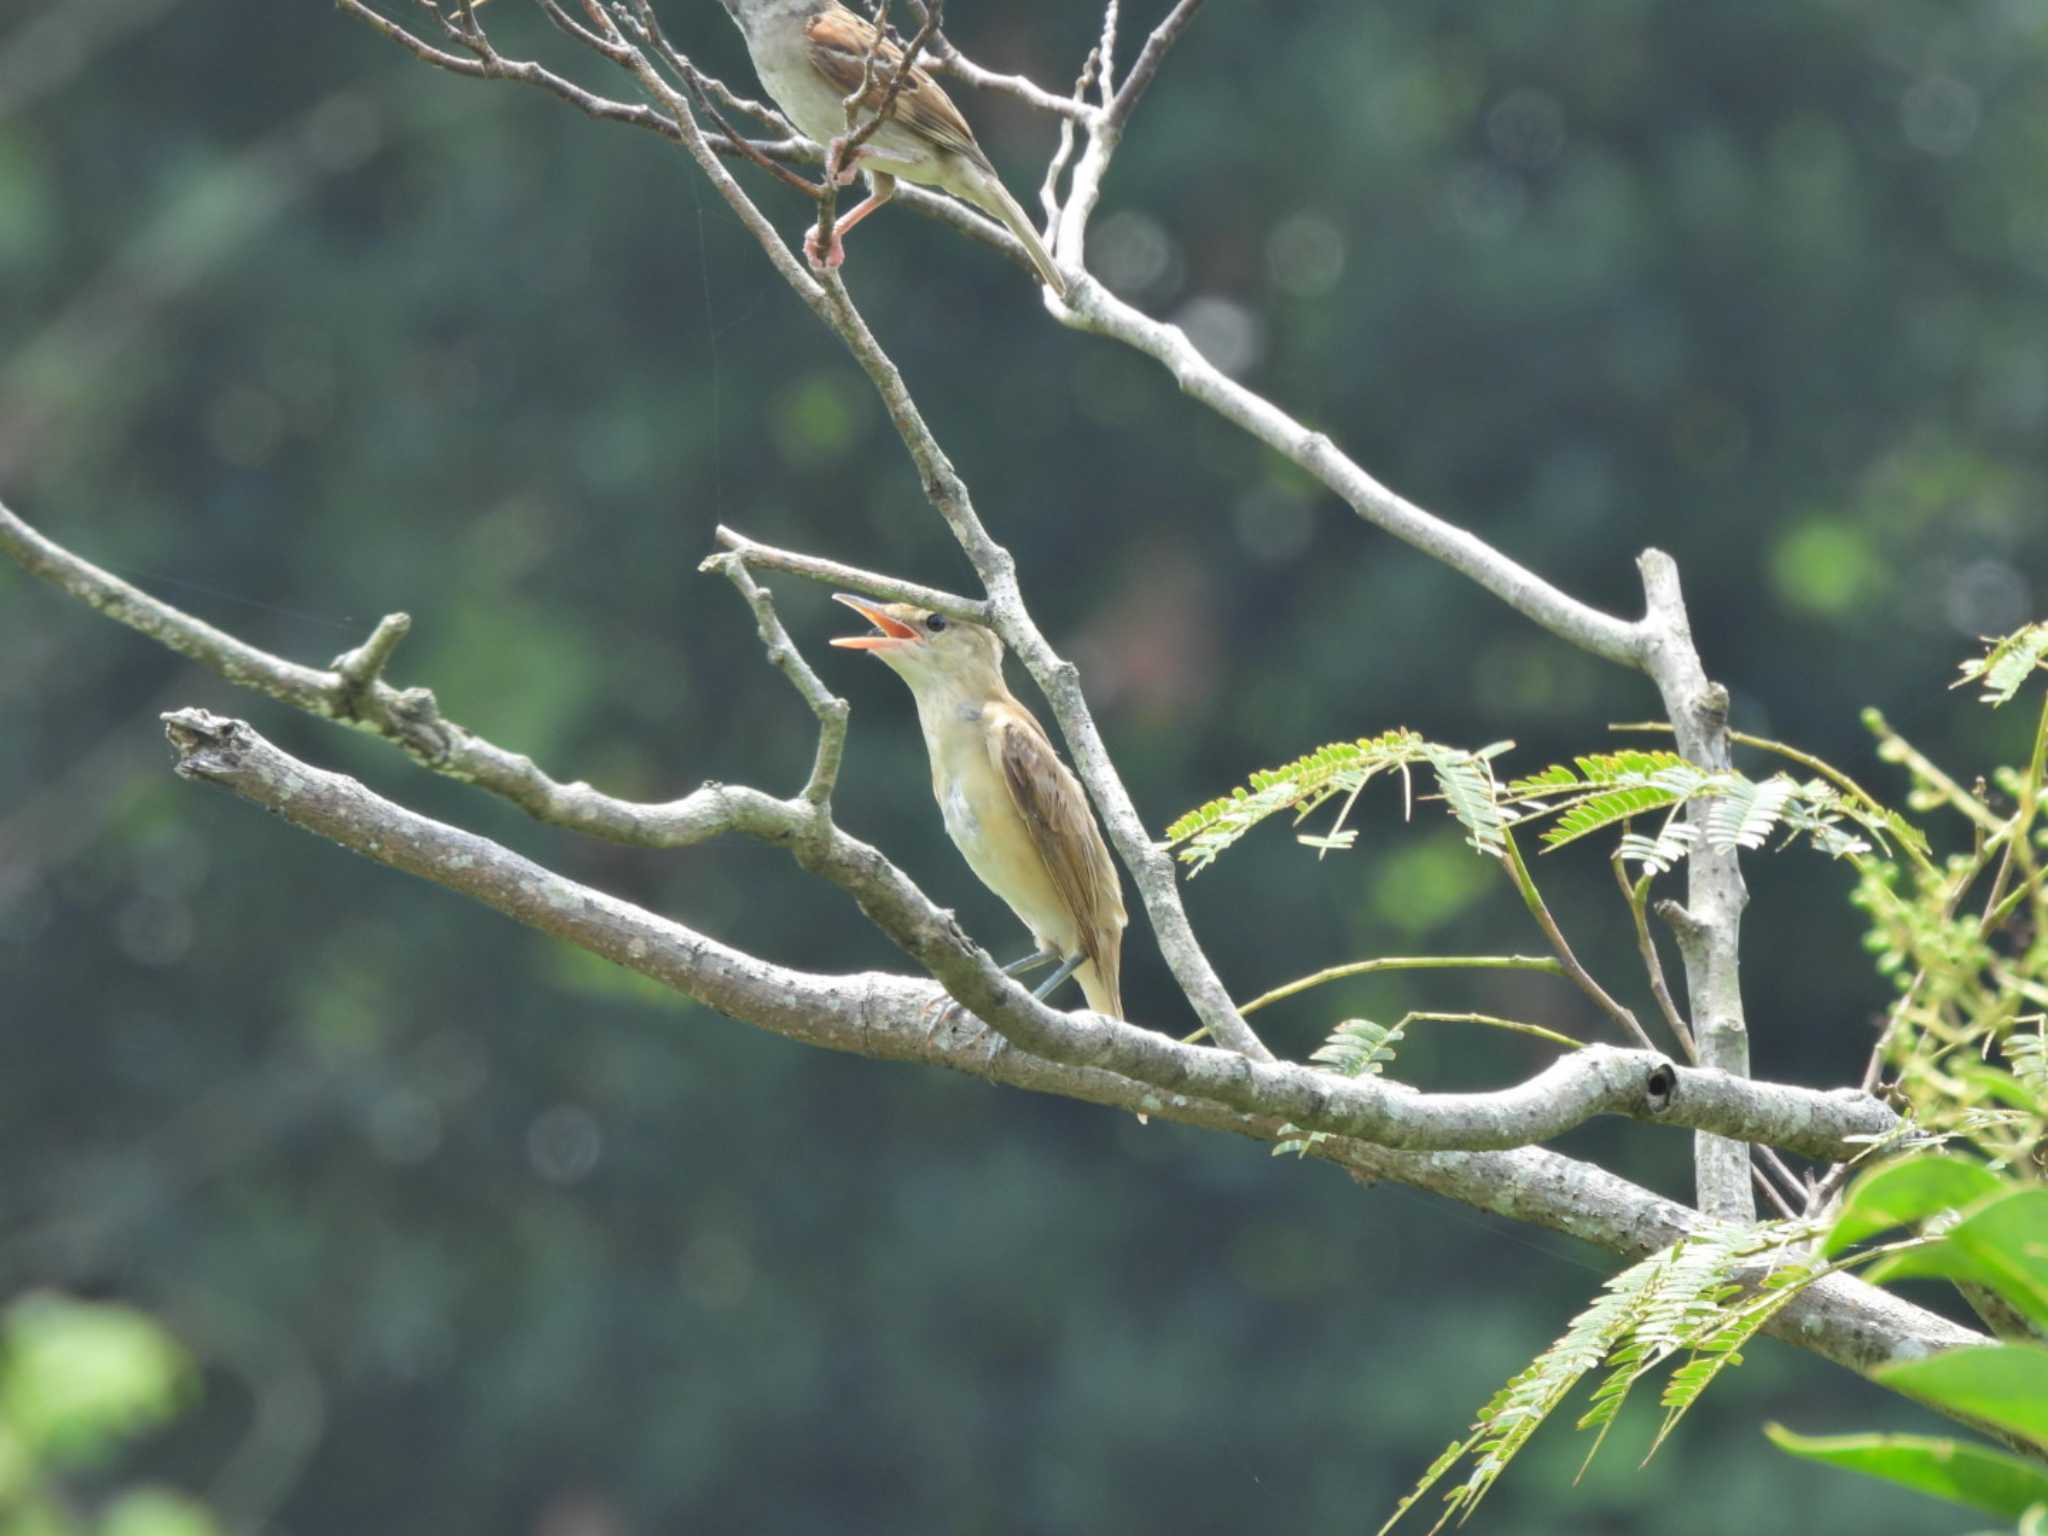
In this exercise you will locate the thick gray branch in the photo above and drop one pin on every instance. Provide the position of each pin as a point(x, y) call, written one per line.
point(1709, 926)
point(1091, 307)
point(889, 1018)
point(1596, 1081)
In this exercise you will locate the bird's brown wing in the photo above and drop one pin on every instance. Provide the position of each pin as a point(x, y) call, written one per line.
point(1055, 809)
point(839, 43)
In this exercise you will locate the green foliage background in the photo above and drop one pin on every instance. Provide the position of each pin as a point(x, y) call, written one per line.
point(297, 332)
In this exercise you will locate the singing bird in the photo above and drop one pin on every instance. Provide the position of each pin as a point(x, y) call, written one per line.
point(1013, 809)
point(812, 55)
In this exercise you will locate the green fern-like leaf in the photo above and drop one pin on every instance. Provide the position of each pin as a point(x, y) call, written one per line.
point(1722, 1345)
point(1688, 1303)
point(1358, 1048)
point(1293, 1139)
point(1468, 789)
point(1606, 809)
point(1609, 788)
point(2027, 1055)
point(2007, 663)
point(1341, 768)
point(1516, 1411)
point(1344, 768)
point(1684, 1298)
point(1743, 813)
point(1595, 770)
point(1674, 840)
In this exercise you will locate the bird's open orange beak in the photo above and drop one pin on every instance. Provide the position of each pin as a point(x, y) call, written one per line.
point(893, 631)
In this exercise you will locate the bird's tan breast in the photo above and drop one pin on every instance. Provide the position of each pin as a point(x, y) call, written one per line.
point(985, 826)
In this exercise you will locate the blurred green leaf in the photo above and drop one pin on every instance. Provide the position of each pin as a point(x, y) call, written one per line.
point(2004, 1246)
point(157, 1512)
point(1956, 1470)
point(1825, 567)
point(1904, 1193)
point(76, 1377)
point(2009, 1242)
point(2002, 1384)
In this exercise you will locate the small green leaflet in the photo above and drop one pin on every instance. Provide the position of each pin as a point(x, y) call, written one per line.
point(2007, 663)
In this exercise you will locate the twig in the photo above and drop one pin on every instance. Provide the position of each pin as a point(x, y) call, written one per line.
point(1063, 151)
point(1790, 1182)
point(830, 709)
point(364, 666)
point(1771, 1194)
point(1637, 896)
point(833, 574)
point(409, 719)
point(1543, 963)
point(945, 58)
point(1163, 37)
point(1577, 974)
point(1093, 308)
point(648, 26)
point(1106, 49)
point(1894, 748)
point(1874, 1067)
point(499, 68)
point(1492, 1021)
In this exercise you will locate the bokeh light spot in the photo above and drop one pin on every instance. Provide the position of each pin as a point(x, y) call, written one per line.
point(1824, 567)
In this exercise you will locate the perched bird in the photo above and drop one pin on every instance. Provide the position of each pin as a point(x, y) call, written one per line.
point(812, 55)
point(1015, 811)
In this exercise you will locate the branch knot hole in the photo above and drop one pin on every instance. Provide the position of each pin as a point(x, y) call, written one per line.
point(1661, 1086)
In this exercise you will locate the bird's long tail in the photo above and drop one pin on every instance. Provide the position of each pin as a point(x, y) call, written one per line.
point(995, 198)
point(1101, 989)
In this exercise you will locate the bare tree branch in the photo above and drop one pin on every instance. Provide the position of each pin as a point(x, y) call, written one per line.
point(889, 1018)
point(1092, 308)
point(1637, 1083)
point(1660, 645)
point(1709, 926)
point(1368, 1122)
point(1595, 1081)
point(766, 557)
point(1674, 664)
point(830, 709)
point(409, 718)
point(1637, 895)
point(1150, 57)
point(945, 59)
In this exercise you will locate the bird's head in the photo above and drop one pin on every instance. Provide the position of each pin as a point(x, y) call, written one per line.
point(928, 650)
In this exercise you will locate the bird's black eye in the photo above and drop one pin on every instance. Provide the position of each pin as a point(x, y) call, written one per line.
point(936, 623)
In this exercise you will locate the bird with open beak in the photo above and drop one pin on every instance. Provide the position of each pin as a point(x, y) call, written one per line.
point(812, 55)
point(1015, 811)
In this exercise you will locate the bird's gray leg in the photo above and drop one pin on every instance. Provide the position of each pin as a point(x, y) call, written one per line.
point(945, 1008)
point(1067, 968)
point(1045, 989)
